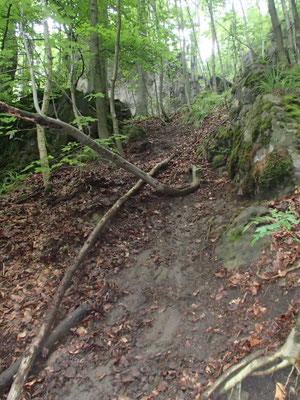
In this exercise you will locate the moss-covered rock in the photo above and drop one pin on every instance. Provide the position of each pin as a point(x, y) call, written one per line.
point(278, 167)
point(218, 144)
point(219, 161)
point(265, 152)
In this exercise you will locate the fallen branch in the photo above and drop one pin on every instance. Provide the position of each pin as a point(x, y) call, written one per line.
point(121, 162)
point(289, 353)
point(78, 314)
point(38, 342)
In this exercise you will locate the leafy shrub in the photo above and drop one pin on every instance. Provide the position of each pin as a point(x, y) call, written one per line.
point(10, 181)
point(277, 221)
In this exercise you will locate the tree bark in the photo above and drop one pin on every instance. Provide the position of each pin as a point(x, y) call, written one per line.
point(96, 76)
point(185, 75)
point(277, 33)
point(41, 138)
point(251, 51)
point(215, 40)
point(41, 135)
point(290, 43)
point(295, 26)
point(8, 54)
point(142, 95)
point(103, 151)
point(113, 83)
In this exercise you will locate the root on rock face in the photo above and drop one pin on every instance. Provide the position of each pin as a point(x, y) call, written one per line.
point(289, 353)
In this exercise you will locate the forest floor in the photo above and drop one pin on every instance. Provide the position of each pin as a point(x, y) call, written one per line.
point(174, 319)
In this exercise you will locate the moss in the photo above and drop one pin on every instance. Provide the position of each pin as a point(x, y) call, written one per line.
point(252, 79)
point(236, 139)
point(279, 166)
point(200, 152)
point(248, 184)
point(292, 106)
point(255, 131)
point(134, 133)
point(219, 160)
point(235, 235)
point(265, 132)
point(267, 106)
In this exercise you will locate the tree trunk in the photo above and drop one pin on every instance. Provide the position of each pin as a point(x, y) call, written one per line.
point(295, 26)
point(290, 43)
point(41, 138)
point(194, 39)
point(251, 51)
point(215, 40)
point(185, 75)
point(141, 93)
point(8, 55)
point(113, 83)
point(233, 30)
point(96, 73)
point(277, 33)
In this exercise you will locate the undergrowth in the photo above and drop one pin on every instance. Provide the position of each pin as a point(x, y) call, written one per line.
point(279, 78)
point(275, 222)
point(205, 103)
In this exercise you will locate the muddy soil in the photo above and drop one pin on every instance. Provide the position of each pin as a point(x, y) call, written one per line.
point(179, 321)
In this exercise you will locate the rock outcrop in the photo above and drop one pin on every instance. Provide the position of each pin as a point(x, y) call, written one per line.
point(265, 155)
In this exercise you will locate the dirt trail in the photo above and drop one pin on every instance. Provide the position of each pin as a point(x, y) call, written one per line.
point(172, 328)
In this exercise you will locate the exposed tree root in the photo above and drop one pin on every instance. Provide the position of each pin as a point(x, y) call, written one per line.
point(39, 341)
point(289, 353)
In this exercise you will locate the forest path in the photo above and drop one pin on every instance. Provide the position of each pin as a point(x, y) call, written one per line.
point(179, 318)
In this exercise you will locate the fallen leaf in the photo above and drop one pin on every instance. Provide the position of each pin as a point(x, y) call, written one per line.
point(81, 331)
point(22, 335)
point(280, 392)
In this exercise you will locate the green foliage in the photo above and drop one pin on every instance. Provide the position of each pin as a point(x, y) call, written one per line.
point(93, 96)
point(279, 78)
point(279, 165)
point(277, 221)
point(208, 101)
point(10, 181)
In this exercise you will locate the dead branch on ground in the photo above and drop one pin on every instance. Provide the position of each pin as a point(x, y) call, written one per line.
point(39, 341)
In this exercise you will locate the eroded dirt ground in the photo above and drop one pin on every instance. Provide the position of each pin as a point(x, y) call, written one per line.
point(175, 319)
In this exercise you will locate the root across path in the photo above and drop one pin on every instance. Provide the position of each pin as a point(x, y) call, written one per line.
point(178, 321)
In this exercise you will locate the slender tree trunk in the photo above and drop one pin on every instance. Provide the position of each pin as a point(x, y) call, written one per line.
point(295, 26)
point(142, 95)
point(41, 135)
point(215, 40)
point(185, 76)
point(113, 83)
point(198, 54)
point(251, 51)
point(233, 32)
point(41, 138)
point(96, 73)
point(290, 42)
point(277, 32)
point(8, 54)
